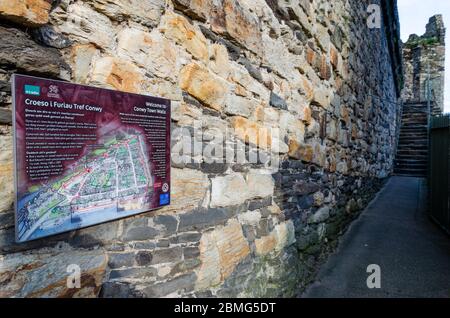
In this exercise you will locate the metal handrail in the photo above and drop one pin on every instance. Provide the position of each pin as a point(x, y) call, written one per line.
point(399, 127)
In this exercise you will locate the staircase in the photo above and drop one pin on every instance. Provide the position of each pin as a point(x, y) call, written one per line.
point(412, 151)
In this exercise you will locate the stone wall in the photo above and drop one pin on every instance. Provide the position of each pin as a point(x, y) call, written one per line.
point(311, 83)
point(424, 58)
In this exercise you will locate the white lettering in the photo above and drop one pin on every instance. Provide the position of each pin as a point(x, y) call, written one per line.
point(31, 102)
point(140, 110)
point(94, 109)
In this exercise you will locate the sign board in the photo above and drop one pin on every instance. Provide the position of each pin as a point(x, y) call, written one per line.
point(86, 155)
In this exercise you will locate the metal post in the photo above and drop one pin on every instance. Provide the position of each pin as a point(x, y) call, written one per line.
point(429, 95)
point(429, 123)
point(399, 127)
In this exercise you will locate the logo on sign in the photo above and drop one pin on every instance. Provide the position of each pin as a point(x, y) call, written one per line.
point(53, 91)
point(32, 90)
point(165, 187)
point(164, 199)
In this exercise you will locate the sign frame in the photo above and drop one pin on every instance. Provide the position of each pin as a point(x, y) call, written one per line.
point(141, 138)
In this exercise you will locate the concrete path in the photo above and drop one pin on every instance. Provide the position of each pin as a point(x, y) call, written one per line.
point(395, 233)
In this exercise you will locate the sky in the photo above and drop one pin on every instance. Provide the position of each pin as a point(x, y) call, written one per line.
point(414, 15)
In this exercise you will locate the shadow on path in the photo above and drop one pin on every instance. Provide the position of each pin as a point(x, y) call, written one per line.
point(395, 233)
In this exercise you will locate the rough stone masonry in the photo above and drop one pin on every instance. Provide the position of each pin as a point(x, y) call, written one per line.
point(424, 60)
point(311, 70)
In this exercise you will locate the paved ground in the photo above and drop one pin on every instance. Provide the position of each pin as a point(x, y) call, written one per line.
point(395, 233)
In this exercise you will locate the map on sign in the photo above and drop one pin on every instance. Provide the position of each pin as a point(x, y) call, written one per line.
point(79, 169)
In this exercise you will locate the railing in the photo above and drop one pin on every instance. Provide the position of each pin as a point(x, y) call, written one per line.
point(399, 127)
point(439, 173)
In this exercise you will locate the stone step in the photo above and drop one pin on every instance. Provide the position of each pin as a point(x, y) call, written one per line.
point(407, 147)
point(414, 114)
point(416, 135)
point(414, 126)
point(412, 140)
point(404, 149)
point(420, 169)
point(415, 122)
point(411, 170)
point(415, 110)
point(421, 150)
point(412, 145)
point(412, 160)
point(421, 116)
point(418, 111)
point(413, 131)
point(408, 157)
point(410, 164)
point(421, 172)
point(417, 126)
point(415, 106)
point(412, 152)
point(422, 110)
point(412, 175)
point(414, 103)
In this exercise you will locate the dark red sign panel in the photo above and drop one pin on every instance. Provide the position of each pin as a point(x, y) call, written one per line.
point(86, 155)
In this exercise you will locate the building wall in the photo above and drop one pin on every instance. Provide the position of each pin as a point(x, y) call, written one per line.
point(424, 58)
point(311, 77)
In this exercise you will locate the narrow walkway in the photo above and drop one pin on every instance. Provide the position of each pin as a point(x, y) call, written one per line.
point(395, 233)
